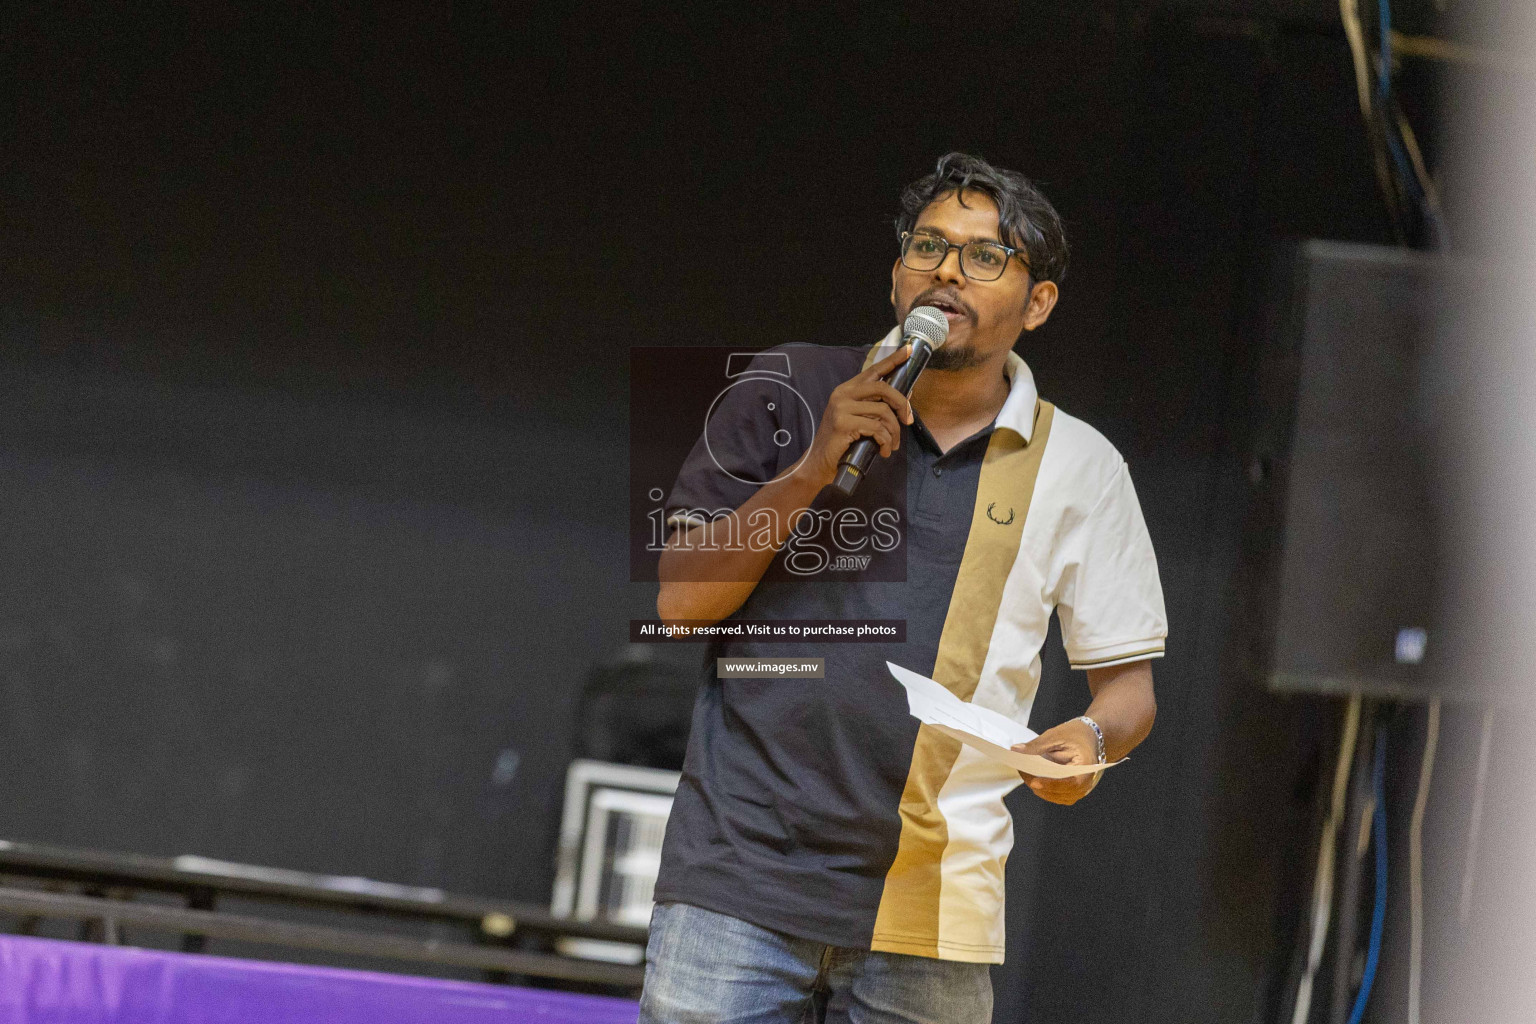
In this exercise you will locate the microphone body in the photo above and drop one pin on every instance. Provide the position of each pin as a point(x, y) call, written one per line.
point(925, 329)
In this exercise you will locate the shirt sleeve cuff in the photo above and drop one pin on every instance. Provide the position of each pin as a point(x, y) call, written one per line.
point(687, 520)
point(1106, 655)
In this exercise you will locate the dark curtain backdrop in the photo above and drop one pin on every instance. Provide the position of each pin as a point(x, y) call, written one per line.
point(312, 414)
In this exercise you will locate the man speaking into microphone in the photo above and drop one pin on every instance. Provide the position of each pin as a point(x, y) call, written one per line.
point(828, 858)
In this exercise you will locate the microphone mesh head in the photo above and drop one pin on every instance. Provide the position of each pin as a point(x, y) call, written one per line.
point(928, 323)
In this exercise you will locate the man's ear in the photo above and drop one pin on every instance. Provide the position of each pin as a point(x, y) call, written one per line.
point(895, 269)
point(1042, 299)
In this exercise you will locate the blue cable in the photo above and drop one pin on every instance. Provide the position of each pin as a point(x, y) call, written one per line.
point(1384, 73)
point(1405, 171)
point(1379, 837)
point(1384, 91)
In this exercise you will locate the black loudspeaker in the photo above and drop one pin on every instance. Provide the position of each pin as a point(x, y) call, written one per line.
point(1340, 551)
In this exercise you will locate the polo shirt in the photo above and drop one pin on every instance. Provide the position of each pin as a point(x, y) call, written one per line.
point(820, 808)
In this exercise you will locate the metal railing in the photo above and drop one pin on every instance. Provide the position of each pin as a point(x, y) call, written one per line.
point(108, 882)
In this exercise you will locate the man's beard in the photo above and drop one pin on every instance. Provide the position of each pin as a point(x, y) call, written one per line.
point(954, 357)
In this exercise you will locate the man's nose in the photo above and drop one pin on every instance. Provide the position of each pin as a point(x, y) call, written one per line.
point(949, 268)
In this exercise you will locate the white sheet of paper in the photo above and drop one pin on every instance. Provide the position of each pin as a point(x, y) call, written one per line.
point(982, 728)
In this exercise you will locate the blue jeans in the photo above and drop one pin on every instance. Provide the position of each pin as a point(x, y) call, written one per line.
point(708, 968)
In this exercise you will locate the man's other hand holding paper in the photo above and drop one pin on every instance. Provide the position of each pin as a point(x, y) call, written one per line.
point(1123, 706)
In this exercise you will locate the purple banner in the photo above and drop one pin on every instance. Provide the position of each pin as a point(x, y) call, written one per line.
point(83, 983)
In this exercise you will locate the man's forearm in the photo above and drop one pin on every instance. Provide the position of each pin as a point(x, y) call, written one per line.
point(708, 583)
point(1123, 705)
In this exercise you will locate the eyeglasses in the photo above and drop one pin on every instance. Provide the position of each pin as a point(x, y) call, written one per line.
point(979, 261)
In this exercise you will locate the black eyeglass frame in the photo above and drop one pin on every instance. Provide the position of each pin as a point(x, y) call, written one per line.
point(1012, 251)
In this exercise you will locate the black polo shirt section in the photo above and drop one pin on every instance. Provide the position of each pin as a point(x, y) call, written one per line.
point(787, 812)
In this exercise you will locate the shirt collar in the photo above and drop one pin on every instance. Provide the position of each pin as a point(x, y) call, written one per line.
point(1018, 411)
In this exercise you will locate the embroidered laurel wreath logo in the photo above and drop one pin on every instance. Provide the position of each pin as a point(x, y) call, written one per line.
point(1000, 522)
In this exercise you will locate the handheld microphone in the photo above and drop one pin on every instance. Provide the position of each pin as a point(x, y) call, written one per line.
point(925, 329)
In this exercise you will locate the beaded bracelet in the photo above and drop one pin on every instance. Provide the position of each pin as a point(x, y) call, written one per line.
point(1097, 732)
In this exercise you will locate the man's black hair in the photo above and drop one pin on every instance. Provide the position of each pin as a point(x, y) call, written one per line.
point(1026, 219)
